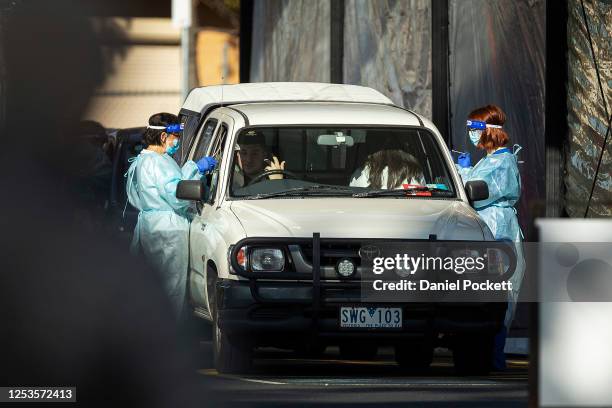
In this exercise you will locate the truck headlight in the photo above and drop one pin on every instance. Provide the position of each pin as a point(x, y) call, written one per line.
point(267, 260)
point(492, 261)
point(497, 261)
point(465, 261)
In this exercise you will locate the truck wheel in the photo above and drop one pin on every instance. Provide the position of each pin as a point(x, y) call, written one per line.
point(358, 351)
point(229, 354)
point(473, 354)
point(414, 358)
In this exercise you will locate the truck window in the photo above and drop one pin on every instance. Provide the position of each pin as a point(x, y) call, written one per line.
point(190, 122)
point(205, 138)
point(217, 153)
point(341, 161)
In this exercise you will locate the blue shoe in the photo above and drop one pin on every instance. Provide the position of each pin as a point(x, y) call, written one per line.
point(499, 357)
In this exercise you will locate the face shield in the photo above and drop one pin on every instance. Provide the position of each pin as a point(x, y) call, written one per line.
point(475, 129)
point(175, 129)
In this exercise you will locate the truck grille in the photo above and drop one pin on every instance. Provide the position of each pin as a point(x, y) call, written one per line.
point(331, 253)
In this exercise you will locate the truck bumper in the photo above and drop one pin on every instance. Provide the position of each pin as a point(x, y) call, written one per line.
point(291, 313)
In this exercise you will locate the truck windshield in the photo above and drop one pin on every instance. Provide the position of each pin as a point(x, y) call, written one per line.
point(357, 162)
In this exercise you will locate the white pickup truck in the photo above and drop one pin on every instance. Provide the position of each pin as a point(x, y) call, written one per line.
point(275, 250)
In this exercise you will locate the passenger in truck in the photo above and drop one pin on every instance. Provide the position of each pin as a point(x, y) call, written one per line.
point(388, 169)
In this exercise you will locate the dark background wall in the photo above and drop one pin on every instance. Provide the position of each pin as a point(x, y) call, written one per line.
point(387, 46)
point(290, 41)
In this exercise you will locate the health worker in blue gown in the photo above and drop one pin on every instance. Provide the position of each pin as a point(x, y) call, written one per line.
point(161, 233)
point(499, 169)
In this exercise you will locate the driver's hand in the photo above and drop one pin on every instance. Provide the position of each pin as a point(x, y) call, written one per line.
point(275, 165)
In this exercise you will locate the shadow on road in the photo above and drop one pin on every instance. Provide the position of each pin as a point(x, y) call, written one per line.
point(282, 378)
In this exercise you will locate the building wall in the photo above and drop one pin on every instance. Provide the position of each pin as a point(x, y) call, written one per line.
point(146, 76)
point(217, 57)
point(147, 73)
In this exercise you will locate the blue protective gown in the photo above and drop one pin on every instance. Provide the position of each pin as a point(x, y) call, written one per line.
point(500, 171)
point(163, 222)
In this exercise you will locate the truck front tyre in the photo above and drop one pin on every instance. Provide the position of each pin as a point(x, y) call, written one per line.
point(414, 358)
point(473, 354)
point(230, 355)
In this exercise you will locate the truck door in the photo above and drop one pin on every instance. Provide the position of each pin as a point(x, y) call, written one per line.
point(204, 233)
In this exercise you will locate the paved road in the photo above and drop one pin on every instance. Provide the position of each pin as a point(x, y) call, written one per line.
point(282, 380)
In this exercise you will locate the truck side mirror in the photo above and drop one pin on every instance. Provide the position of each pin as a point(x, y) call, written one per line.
point(194, 190)
point(476, 190)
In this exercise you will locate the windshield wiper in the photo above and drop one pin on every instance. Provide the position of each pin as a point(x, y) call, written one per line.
point(409, 192)
point(317, 188)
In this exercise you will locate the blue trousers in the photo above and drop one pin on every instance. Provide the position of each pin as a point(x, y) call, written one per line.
point(499, 357)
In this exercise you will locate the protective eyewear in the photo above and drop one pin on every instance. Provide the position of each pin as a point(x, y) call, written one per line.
point(175, 128)
point(480, 125)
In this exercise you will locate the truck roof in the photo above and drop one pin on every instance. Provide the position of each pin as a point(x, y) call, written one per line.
point(205, 98)
point(325, 113)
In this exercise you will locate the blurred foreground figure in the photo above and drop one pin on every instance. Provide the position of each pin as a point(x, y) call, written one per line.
point(76, 310)
point(93, 173)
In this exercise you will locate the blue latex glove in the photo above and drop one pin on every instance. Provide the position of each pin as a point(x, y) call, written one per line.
point(464, 160)
point(206, 163)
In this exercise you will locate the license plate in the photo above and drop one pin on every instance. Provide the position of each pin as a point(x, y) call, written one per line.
point(370, 317)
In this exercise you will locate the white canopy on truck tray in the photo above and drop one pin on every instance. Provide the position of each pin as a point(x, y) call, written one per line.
point(202, 99)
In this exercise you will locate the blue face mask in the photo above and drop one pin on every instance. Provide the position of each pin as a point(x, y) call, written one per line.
point(474, 136)
point(174, 148)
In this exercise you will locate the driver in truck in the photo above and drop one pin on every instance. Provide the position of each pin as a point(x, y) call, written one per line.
point(254, 158)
